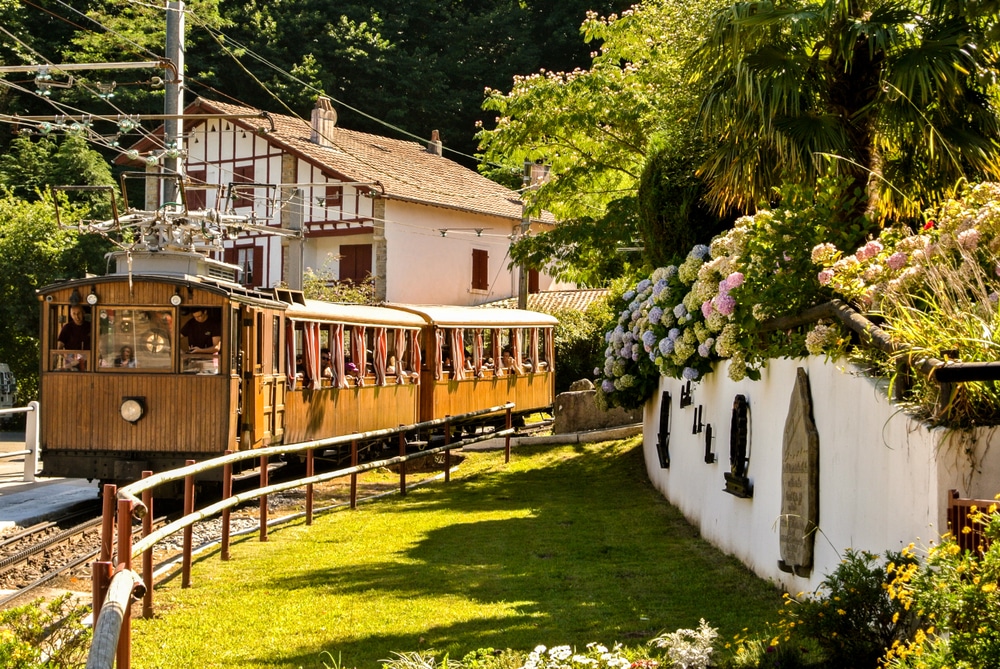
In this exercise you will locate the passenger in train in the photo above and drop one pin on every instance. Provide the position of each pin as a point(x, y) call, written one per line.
point(75, 336)
point(390, 368)
point(203, 334)
point(508, 361)
point(326, 362)
point(125, 357)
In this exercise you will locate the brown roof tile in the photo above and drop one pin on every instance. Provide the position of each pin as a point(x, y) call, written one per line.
point(549, 301)
point(406, 170)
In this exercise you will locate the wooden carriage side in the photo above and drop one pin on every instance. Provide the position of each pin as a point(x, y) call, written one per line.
point(358, 387)
point(464, 368)
point(131, 399)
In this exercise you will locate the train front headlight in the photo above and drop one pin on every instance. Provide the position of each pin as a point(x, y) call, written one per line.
point(132, 409)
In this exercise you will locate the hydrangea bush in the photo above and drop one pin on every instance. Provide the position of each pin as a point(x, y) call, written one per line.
point(934, 290)
point(683, 318)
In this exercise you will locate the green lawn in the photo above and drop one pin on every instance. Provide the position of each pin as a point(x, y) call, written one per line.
point(565, 545)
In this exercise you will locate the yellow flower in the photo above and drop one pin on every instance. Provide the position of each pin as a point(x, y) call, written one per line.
point(989, 587)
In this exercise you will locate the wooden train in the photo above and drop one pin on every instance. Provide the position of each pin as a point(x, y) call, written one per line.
point(142, 371)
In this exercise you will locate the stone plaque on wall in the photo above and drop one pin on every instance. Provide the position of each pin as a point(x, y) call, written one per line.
point(799, 481)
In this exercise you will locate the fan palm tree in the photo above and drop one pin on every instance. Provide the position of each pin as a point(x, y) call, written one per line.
point(894, 94)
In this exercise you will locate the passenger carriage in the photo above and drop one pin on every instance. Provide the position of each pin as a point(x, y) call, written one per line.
point(287, 369)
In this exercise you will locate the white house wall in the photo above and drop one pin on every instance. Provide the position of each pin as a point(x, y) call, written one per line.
point(883, 476)
point(426, 268)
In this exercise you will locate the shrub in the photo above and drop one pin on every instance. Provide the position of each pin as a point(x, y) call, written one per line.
point(40, 634)
point(852, 617)
point(956, 596)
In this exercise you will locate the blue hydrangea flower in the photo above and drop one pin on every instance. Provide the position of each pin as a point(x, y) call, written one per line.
point(607, 386)
point(629, 295)
point(680, 311)
point(659, 287)
point(674, 333)
point(654, 315)
point(670, 273)
point(648, 338)
point(643, 285)
point(666, 346)
point(699, 251)
point(704, 350)
point(690, 373)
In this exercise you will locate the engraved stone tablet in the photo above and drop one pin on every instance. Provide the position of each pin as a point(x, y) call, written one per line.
point(799, 481)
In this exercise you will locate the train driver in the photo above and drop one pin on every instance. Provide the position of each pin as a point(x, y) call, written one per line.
point(202, 333)
point(75, 336)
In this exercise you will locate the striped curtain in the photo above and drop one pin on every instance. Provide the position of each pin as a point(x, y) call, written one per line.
point(515, 350)
point(359, 355)
point(534, 349)
point(378, 359)
point(290, 353)
point(337, 355)
point(438, 360)
point(550, 349)
point(458, 353)
point(496, 352)
point(415, 361)
point(400, 352)
point(310, 354)
point(477, 353)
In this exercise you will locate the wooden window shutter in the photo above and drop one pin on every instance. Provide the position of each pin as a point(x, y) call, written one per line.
point(480, 269)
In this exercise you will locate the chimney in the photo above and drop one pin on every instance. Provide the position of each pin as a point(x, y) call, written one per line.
point(324, 120)
point(434, 146)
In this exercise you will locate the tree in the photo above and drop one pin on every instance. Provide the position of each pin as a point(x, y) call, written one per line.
point(895, 96)
point(594, 128)
point(35, 251)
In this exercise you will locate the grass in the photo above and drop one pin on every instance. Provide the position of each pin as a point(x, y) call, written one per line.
point(565, 545)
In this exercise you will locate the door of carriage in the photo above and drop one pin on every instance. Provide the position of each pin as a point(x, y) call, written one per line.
point(262, 379)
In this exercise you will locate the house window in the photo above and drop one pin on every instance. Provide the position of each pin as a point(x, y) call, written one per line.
point(334, 197)
point(480, 269)
point(532, 281)
point(251, 260)
point(242, 195)
point(195, 193)
point(355, 262)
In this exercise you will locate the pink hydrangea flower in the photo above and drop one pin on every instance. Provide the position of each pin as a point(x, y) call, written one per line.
point(734, 280)
point(707, 308)
point(897, 260)
point(825, 277)
point(725, 304)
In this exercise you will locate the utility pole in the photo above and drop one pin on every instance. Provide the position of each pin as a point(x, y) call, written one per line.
point(522, 279)
point(173, 104)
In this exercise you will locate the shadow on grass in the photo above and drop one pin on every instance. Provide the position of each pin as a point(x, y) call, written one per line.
point(592, 553)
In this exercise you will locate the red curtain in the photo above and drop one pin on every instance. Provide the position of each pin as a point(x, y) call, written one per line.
point(415, 361)
point(477, 352)
point(378, 359)
point(337, 355)
point(550, 350)
point(400, 352)
point(534, 349)
point(358, 353)
point(290, 353)
point(438, 359)
point(458, 353)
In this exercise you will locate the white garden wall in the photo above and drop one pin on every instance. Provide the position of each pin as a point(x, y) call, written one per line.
point(883, 478)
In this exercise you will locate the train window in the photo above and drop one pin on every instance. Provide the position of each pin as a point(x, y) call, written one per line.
point(70, 338)
point(201, 340)
point(134, 339)
point(258, 364)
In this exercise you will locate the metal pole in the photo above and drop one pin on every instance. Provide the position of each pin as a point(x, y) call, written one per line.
point(310, 470)
point(447, 451)
point(124, 657)
point(506, 440)
point(147, 555)
point(188, 538)
point(173, 104)
point(227, 492)
point(402, 465)
point(354, 475)
point(108, 522)
point(263, 498)
point(31, 442)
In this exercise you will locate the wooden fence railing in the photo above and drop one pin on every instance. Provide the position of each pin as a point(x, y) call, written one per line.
point(117, 585)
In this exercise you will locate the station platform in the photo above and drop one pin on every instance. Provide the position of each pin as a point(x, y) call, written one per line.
point(23, 504)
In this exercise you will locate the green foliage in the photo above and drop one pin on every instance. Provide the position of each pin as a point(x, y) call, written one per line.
point(672, 214)
point(955, 594)
point(935, 291)
point(577, 341)
point(493, 658)
point(852, 616)
point(44, 635)
point(893, 95)
point(323, 285)
point(593, 126)
point(34, 252)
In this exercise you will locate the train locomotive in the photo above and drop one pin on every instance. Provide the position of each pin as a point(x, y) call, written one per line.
point(169, 358)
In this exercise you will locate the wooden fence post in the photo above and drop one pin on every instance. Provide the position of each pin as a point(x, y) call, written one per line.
point(263, 498)
point(227, 492)
point(147, 555)
point(188, 537)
